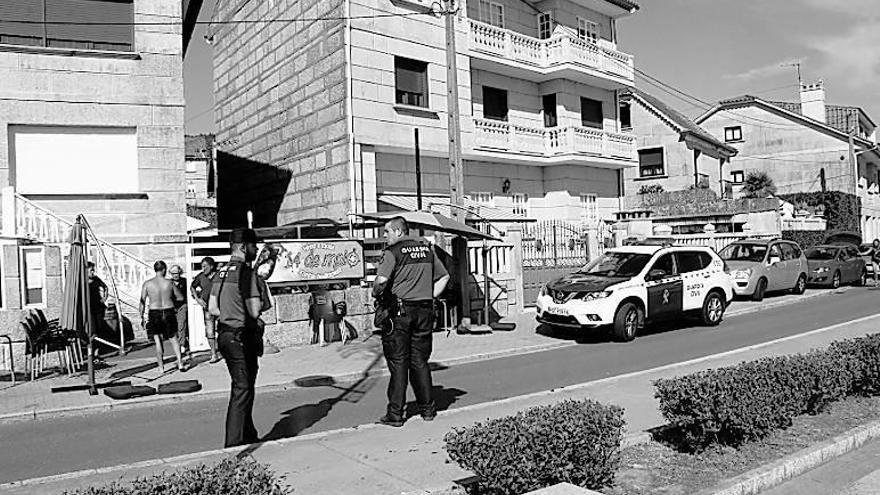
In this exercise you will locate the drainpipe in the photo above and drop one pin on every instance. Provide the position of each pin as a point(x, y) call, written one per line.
point(352, 177)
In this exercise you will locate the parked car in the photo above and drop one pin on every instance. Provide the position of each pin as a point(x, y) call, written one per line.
point(835, 264)
point(628, 285)
point(758, 266)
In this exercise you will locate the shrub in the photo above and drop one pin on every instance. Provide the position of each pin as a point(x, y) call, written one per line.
point(573, 441)
point(747, 401)
point(758, 184)
point(842, 210)
point(805, 238)
point(650, 189)
point(232, 476)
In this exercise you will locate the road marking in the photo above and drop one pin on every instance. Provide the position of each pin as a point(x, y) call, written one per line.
point(459, 410)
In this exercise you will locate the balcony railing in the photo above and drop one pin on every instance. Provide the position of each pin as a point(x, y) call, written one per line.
point(561, 48)
point(553, 141)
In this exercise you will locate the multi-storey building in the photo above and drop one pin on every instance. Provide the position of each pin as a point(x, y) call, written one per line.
point(328, 106)
point(803, 147)
point(91, 122)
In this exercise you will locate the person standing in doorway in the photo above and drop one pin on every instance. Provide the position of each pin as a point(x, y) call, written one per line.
point(181, 311)
point(236, 301)
point(414, 276)
point(97, 299)
point(201, 292)
point(161, 322)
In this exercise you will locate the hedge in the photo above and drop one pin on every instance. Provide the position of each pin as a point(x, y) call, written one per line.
point(232, 476)
point(842, 210)
point(747, 401)
point(573, 441)
point(806, 238)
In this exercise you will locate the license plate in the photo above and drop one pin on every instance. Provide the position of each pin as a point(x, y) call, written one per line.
point(557, 310)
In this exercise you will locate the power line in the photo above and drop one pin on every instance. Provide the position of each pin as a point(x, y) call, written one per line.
point(230, 22)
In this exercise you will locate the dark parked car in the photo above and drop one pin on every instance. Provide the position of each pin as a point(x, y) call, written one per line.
point(835, 264)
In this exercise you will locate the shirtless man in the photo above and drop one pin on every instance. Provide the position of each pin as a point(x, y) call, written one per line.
point(162, 321)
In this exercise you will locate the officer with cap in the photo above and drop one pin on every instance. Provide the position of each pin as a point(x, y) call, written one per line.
point(237, 303)
point(415, 277)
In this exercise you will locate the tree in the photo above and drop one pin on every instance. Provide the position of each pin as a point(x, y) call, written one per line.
point(758, 185)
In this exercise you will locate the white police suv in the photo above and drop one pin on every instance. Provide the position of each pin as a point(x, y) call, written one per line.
point(627, 286)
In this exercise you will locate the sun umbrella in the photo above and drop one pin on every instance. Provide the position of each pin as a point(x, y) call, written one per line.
point(432, 221)
point(75, 304)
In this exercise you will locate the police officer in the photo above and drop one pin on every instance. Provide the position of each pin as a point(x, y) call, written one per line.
point(236, 301)
point(415, 277)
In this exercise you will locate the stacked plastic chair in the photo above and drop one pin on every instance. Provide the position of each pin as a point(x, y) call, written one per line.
point(43, 337)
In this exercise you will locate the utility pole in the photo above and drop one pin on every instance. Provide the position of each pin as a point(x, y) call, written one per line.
point(456, 172)
point(853, 163)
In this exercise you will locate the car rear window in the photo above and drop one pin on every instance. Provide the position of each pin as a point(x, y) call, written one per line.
point(821, 253)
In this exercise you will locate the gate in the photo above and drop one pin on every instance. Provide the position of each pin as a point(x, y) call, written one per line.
point(551, 248)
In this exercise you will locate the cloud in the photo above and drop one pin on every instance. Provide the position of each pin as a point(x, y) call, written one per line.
point(854, 8)
point(771, 69)
point(851, 58)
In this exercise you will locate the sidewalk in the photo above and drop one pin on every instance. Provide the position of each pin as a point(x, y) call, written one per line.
point(345, 364)
point(372, 459)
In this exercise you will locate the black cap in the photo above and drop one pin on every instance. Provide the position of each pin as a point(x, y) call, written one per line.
point(243, 235)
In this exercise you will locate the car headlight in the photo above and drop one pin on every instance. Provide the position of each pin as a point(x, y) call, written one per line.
point(742, 274)
point(592, 296)
point(821, 269)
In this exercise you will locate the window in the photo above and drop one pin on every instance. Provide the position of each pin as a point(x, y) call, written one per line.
point(692, 261)
point(591, 113)
point(411, 82)
point(733, 134)
point(626, 116)
point(483, 198)
point(492, 13)
point(737, 176)
point(550, 119)
point(589, 207)
point(75, 33)
point(33, 275)
point(775, 251)
point(787, 251)
point(494, 103)
point(666, 264)
point(521, 204)
point(545, 25)
point(74, 160)
point(651, 163)
point(588, 30)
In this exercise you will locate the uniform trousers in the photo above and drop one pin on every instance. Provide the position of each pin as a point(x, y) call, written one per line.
point(239, 350)
point(407, 348)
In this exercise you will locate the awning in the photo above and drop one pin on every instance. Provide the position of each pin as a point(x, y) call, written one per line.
point(440, 204)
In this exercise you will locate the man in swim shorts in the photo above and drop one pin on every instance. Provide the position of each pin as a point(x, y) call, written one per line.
point(162, 320)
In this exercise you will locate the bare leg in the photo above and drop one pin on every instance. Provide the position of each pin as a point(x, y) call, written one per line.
point(176, 346)
point(159, 352)
point(213, 343)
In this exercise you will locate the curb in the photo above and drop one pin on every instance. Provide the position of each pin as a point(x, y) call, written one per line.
point(345, 377)
point(776, 473)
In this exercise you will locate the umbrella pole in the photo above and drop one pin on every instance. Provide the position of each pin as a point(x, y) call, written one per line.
point(485, 283)
point(89, 331)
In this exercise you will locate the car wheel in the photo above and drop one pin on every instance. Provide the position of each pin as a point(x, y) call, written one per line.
point(863, 279)
point(626, 322)
point(801, 285)
point(758, 295)
point(713, 309)
point(835, 280)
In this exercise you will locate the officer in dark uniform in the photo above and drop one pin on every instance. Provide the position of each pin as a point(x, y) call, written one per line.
point(415, 277)
point(236, 301)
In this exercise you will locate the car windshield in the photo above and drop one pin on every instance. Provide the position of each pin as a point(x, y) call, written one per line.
point(744, 252)
point(616, 265)
point(821, 253)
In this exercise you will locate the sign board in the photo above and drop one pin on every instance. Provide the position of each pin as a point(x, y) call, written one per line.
point(318, 260)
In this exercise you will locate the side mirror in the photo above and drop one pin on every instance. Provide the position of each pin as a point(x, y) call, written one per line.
point(655, 274)
point(774, 259)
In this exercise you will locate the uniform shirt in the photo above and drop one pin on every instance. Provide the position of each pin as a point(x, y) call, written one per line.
point(409, 264)
point(202, 285)
point(238, 283)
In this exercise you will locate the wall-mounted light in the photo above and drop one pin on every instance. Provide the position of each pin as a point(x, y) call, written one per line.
point(505, 186)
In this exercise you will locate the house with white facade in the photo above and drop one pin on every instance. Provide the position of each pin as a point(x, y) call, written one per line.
point(804, 146)
point(329, 108)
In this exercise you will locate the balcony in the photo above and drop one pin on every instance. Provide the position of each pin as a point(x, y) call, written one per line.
point(563, 55)
point(555, 144)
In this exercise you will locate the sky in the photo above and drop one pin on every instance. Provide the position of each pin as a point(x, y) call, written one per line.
point(708, 49)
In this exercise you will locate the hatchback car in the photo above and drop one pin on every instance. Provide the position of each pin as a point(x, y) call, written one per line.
point(835, 264)
point(627, 286)
point(758, 266)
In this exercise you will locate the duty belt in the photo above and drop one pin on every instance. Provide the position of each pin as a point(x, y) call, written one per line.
point(425, 303)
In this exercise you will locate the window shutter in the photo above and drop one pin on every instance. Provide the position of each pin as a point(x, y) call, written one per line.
point(91, 37)
point(17, 33)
